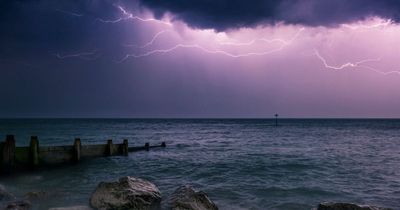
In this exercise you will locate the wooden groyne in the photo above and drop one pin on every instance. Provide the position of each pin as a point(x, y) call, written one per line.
point(33, 156)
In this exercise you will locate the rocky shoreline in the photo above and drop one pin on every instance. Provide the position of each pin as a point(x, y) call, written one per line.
point(139, 194)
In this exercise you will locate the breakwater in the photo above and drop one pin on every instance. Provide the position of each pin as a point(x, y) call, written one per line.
point(14, 158)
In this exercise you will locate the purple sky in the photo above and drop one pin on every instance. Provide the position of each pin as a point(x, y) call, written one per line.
point(153, 59)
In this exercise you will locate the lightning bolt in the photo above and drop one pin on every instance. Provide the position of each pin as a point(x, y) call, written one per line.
point(343, 66)
point(150, 42)
point(382, 24)
point(82, 55)
point(126, 16)
point(196, 46)
point(129, 16)
point(222, 52)
point(353, 64)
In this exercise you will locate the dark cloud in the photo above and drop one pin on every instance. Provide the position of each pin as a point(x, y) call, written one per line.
point(225, 14)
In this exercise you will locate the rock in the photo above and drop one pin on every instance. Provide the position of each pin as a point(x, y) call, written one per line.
point(186, 198)
point(5, 195)
point(72, 208)
point(18, 205)
point(35, 195)
point(347, 206)
point(127, 193)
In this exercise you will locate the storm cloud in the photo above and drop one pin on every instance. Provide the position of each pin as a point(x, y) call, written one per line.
point(228, 14)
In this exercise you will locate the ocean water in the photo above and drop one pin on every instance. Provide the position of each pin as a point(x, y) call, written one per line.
point(240, 164)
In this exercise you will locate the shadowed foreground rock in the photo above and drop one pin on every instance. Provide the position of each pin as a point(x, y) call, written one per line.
point(127, 193)
point(5, 195)
point(186, 198)
point(347, 206)
point(18, 205)
point(36, 195)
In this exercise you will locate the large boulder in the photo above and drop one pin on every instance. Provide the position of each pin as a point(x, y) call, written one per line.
point(5, 195)
point(186, 198)
point(72, 208)
point(126, 193)
point(347, 206)
point(18, 205)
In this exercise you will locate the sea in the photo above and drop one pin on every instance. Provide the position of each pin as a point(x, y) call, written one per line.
point(239, 163)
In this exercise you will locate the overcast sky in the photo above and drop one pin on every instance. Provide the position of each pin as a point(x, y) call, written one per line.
point(199, 58)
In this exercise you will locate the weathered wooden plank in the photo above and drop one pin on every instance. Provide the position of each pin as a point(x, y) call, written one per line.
point(51, 155)
point(22, 156)
point(93, 150)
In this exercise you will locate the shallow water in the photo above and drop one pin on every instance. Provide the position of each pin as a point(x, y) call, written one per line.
point(241, 164)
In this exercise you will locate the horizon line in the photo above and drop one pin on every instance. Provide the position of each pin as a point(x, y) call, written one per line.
point(202, 118)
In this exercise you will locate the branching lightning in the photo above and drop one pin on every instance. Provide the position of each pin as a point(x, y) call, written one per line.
point(343, 66)
point(353, 64)
point(283, 42)
point(126, 16)
point(196, 46)
point(381, 24)
point(150, 42)
point(129, 16)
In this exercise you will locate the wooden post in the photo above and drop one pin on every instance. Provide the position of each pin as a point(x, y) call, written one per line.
point(77, 150)
point(163, 144)
point(147, 146)
point(109, 151)
point(34, 151)
point(8, 156)
point(125, 147)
